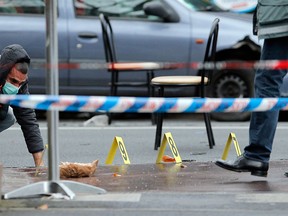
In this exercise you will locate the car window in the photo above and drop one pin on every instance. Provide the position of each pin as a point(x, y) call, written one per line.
point(22, 6)
point(111, 8)
point(201, 5)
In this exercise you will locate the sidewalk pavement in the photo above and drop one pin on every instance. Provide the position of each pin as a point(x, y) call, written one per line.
point(129, 180)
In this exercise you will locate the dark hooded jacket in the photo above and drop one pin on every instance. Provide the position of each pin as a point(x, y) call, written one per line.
point(25, 117)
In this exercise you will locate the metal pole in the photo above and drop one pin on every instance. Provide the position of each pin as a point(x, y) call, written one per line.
point(52, 86)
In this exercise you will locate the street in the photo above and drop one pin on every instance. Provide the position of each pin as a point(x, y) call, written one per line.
point(84, 141)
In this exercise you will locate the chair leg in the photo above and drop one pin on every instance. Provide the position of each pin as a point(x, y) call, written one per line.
point(150, 76)
point(159, 123)
point(113, 92)
point(109, 118)
point(148, 79)
point(153, 118)
point(153, 115)
point(209, 130)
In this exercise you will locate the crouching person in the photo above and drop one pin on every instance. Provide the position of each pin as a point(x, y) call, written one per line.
point(14, 67)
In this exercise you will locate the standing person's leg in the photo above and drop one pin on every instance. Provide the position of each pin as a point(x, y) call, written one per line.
point(267, 85)
point(262, 124)
point(8, 121)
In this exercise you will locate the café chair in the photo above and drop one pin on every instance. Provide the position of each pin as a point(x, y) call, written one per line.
point(202, 81)
point(116, 68)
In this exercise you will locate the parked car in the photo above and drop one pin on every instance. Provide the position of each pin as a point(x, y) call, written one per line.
point(145, 30)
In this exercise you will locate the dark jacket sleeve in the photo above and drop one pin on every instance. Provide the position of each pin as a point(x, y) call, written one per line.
point(26, 118)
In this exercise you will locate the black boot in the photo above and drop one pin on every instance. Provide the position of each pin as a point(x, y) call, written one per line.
point(243, 164)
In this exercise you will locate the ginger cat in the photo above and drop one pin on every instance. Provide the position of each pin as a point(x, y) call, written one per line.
point(77, 170)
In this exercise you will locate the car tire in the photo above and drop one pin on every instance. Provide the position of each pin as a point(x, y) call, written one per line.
point(232, 84)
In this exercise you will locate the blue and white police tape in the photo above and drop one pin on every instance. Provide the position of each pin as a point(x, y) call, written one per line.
point(144, 105)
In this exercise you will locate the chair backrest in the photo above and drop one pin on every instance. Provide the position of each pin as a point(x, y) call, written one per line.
point(108, 39)
point(210, 53)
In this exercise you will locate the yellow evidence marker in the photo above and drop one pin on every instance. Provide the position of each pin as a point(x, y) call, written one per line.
point(168, 138)
point(231, 137)
point(117, 142)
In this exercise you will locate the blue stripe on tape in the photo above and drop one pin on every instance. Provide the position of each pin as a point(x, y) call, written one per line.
point(19, 98)
point(108, 104)
point(167, 105)
point(43, 105)
point(74, 107)
point(253, 104)
point(225, 104)
point(46, 104)
point(80, 102)
point(138, 104)
point(196, 104)
point(281, 103)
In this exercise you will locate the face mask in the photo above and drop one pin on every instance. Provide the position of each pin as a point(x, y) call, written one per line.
point(10, 89)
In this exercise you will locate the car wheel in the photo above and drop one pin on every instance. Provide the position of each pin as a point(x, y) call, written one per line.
point(232, 84)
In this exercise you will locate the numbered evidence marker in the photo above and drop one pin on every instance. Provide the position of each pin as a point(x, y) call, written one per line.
point(231, 138)
point(117, 142)
point(168, 138)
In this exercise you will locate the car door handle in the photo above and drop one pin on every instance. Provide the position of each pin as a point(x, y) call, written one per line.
point(87, 35)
